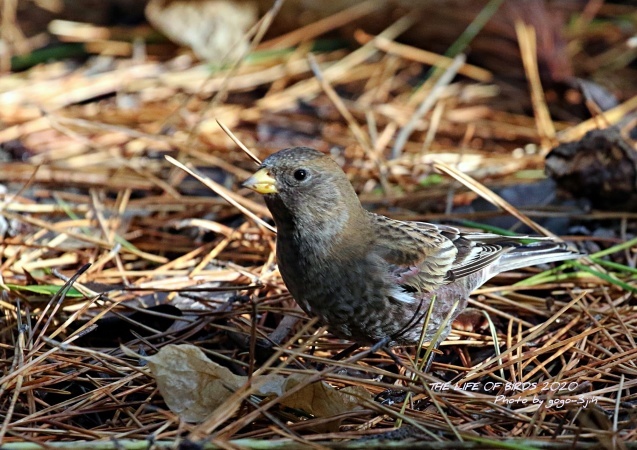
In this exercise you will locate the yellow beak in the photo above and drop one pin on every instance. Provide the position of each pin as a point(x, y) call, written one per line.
point(261, 182)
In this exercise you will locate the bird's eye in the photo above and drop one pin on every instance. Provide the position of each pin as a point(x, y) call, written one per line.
point(300, 174)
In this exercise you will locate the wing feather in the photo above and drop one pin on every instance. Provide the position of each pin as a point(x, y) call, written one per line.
point(424, 256)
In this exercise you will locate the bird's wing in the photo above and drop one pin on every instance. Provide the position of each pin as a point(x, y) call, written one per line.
point(424, 256)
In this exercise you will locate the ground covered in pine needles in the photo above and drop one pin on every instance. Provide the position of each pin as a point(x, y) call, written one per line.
point(142, 303)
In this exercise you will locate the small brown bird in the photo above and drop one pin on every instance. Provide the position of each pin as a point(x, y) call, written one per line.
point(369, 278)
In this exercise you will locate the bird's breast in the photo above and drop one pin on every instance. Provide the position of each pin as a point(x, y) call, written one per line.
point(354, 296)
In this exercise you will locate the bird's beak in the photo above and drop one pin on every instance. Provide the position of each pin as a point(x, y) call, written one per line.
point(261, 182)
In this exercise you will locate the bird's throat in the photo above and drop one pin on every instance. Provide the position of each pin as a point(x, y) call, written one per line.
point(309, 227)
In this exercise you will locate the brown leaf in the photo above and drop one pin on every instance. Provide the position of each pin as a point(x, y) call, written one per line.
point(191, 384)
point(212, 28)
point(194, 387)
point(322, 400)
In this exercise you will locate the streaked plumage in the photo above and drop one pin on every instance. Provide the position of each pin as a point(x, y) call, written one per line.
point(369, 277)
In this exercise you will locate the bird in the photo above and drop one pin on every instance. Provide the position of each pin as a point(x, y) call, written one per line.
point(369, 278)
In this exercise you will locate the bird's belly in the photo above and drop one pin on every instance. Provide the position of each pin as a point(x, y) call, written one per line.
point(343, 301)
point(367, 315)
point(359, 300)
point(358, 309)
point(358, 321)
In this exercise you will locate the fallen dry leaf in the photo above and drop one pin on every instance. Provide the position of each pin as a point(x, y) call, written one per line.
point(322, 400)
point(194, 387)
point(191, 384)
point(214, 29)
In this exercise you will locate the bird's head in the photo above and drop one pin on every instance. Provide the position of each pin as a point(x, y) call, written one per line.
point(305, 187)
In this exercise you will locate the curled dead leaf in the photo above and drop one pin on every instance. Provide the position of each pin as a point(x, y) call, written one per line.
point(194, 387)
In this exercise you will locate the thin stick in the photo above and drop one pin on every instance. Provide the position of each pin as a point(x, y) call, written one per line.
point(423, 56)
point(322, 26)
point(427, 104)
point(240, 144)
point(221, 191)
point(528, 49)
point(355, 128)
point(491, 197)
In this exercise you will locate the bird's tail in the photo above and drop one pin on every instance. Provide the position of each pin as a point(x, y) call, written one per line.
point(535, 253)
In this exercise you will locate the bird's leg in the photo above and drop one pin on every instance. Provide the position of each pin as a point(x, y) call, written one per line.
point(393, 355)
point(340, 355)
point(432, 355)
point(345, 352)
point(382, 345)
